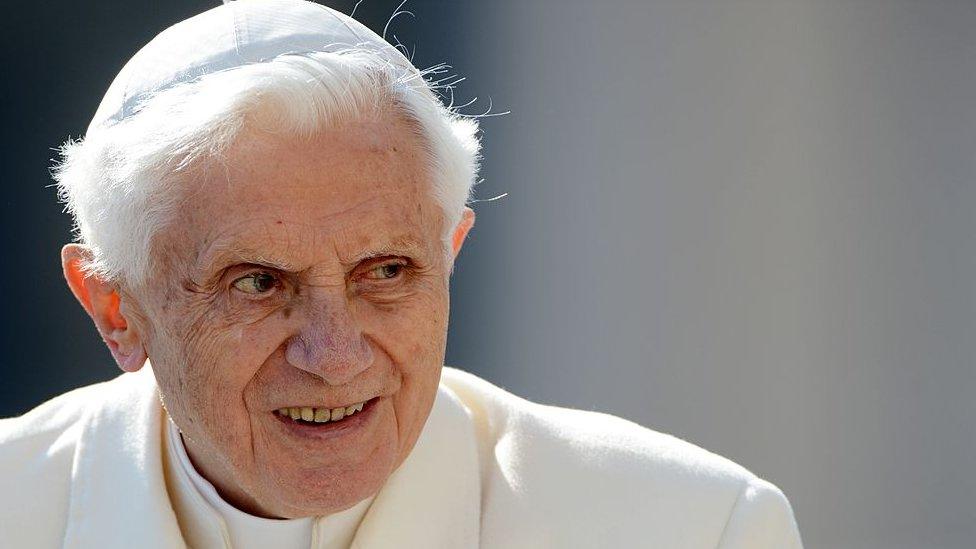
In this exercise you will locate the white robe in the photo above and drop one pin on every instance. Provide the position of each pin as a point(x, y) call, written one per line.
point(489, 470)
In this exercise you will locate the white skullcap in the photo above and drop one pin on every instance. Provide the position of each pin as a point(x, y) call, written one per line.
point(230, 35)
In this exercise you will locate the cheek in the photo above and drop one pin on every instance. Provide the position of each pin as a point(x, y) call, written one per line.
point(219, 349)
point(204, 364)
point(412, 332)
point(413, 335)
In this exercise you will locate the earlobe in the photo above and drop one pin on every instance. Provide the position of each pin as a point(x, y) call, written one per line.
point(462, 229)
point(102, 302)
point(133, 361)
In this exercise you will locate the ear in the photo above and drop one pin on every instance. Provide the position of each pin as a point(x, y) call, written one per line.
point(462, 229)
point(101, 301)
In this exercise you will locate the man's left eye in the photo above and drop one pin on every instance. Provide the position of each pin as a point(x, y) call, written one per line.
point(256, 283)
point(385, 271)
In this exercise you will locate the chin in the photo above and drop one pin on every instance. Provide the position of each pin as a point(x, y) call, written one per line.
point(320, 503)
point(328, 490)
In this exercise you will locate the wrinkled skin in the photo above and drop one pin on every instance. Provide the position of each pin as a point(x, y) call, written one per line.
point(300, 273)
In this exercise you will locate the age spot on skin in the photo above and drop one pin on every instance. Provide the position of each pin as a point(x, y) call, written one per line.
point(286, 312)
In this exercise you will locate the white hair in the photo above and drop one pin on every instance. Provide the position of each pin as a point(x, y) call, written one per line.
point(121, 183)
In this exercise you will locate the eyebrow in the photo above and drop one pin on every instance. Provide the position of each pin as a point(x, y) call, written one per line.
point(401, 245)
point(216, 259)
point(221, 255)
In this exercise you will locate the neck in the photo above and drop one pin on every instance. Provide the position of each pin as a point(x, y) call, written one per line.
point(220, 477)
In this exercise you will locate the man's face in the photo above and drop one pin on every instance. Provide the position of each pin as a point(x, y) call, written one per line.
point(302, 274)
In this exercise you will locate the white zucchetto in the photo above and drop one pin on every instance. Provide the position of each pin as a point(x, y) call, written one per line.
point(231, 35)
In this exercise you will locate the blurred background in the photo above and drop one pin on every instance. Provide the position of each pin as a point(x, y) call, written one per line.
point(751, 224)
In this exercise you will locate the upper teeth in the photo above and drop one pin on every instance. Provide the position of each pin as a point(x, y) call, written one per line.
point(321, 415)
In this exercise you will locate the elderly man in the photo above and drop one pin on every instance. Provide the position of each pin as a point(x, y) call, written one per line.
point(269, 202)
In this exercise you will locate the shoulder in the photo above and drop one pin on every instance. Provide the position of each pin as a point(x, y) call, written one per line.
point(56, 418)
point(603, 478)
point(37, 451)
point(34, 432)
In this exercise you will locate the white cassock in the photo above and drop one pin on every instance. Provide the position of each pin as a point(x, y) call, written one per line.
point(86, 469)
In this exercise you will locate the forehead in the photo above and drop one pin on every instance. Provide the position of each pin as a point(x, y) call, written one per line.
point(358, 186)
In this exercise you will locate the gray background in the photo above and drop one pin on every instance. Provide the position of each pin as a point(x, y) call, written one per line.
point(750, 224)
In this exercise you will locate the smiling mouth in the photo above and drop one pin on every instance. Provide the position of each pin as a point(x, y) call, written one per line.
point(308, 415)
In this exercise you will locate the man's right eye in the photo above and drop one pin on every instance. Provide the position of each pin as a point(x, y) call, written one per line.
point(256, 283)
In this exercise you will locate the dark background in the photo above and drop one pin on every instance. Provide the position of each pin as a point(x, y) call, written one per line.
point(749, 223)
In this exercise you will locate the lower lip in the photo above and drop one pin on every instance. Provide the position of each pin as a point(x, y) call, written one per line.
point(330, 429)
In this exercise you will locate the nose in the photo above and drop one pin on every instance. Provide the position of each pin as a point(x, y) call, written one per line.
point(330, 344)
